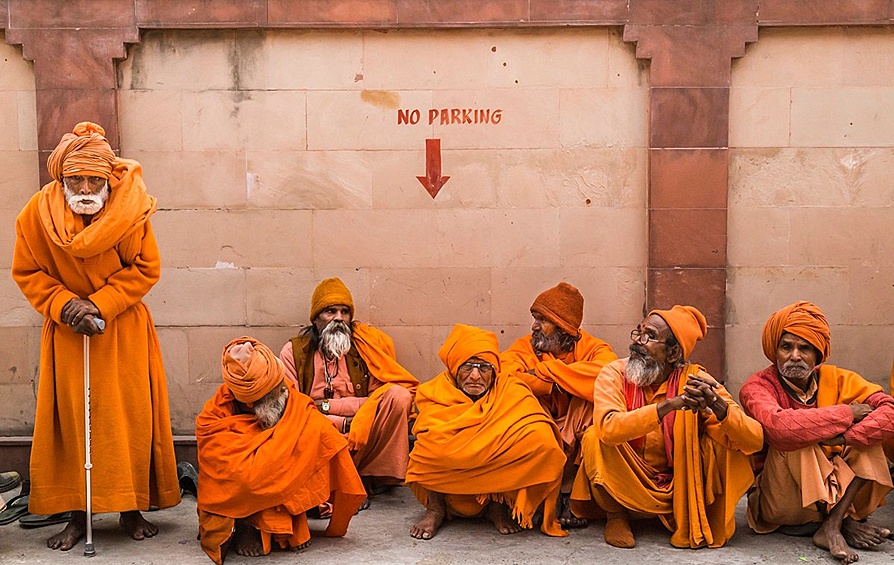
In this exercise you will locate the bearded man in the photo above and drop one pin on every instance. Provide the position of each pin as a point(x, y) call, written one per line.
point(266, 457)
point(85, 251)
point(484, 445)
point(824, 469)
point(560, 362)
point(351, 372)
point(667, 440)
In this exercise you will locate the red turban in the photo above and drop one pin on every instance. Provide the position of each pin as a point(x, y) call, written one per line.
point(562, 305)
point(803, 319)
point(85, 151)
point(330, 292)
point(687, 324)
point(465, 342)
point(251, 371)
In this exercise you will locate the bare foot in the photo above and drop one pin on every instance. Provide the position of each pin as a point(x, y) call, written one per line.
point(863, 535)
point(137, 526)
point(73, 532)
point(618, 532)
point(499, 515)
point(300, 546)
point(567, 520)
point(829, 538)
point(427, 527)
point(247, 540)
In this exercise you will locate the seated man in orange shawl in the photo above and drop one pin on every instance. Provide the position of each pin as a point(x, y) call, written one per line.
point(484, 445)
point(560, 362)
point(266, 456)
point(667, 440)
point(823, 465)
point(85, 251)
point(351, 372)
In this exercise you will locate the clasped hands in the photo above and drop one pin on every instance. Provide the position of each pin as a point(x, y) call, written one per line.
point(859, 411)
point(78, 314)
point(699, 395)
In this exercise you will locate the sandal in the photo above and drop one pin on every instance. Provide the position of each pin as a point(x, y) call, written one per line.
point(321, 512)
point(188, 478)
point(39, 520)
point(567, 520)
point(14, 509)
point(9, 480)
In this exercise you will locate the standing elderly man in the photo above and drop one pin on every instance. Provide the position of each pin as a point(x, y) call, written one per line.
point(351, 372)
point(667, 439)
point(85, 251)
point(560, 362)
point(266, 457)
point(824, 464)
point(484, 445)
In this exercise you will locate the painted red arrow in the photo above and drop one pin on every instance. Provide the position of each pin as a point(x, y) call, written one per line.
point(433, 181)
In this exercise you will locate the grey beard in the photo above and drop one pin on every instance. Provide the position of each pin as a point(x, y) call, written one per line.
point(335, 339)
point(269, 409)
point(95, 201)
point(642, 370)
point(795, 370)
point(542, 343)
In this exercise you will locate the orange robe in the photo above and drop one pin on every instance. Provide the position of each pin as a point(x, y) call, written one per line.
point(502, 447)
point(625, 453)
point(114, 262)
point(271, 477)
point(573, 373)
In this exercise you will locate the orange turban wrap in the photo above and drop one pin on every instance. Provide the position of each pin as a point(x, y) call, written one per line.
point(328, 293)
point(562, 305)
point(84, 151)
point(687, 324)
point(250, 370)
point(803, 319)
point(465, 342)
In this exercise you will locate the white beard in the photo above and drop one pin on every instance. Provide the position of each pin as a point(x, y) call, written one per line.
point(795, 370)
point(269, 409)
point(86, 204)
point(335, 339)
point(642, 370)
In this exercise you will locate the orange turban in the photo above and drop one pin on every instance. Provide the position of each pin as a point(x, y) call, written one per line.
point(84, 151)
point(250, 370)
point(562, 305)
point(687, 324)
point(328, 293)
point(465, 342)
point(803, 319)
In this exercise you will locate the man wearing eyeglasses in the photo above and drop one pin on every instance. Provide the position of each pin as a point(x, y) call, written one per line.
point(560, 362)
point(824, 470)
point(484, 445)
point(667, 440)
point(351, 371)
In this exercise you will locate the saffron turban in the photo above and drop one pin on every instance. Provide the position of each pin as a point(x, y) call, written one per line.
point(687, 324)
point(465, 342)
point(85, 151)
point(803, 319)
point(330, 292)
point(250, 369)
point(562, 305)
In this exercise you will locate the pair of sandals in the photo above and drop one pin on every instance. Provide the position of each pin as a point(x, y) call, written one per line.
point(17, 509)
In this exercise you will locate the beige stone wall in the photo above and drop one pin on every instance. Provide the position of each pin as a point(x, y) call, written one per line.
point(812, 193)
point(278, 161)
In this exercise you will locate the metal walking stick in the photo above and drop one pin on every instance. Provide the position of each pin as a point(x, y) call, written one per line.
point(89, 551)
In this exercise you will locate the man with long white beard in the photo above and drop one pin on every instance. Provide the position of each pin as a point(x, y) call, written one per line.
point(823, 471)
point(266, 457)
point(667, 440)
point(351, 371)
point(85, 251)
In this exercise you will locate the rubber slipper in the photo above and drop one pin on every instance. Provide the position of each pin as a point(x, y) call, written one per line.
point(321, 512)
point(14, 509)
point(39, 521)
point(9, 480)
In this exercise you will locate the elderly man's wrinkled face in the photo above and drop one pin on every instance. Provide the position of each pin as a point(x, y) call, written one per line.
point(85, 194)
point(545, 335)
point(648, 351)
point(475, 377)
point(270, 408)
point(795, 358)
point(334, 325)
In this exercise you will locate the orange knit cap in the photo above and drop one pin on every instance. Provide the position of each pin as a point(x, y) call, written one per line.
point(803, 319)
point(687, 324)
point(330, 292)
point(562, 305)
point(84, 151)
point(465, 342)
point(250, 369)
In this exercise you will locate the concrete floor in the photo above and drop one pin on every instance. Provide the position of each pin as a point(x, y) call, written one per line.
point(380, 535)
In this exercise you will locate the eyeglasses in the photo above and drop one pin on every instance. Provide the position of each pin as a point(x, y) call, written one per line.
point(484, 369)
point(637, 336)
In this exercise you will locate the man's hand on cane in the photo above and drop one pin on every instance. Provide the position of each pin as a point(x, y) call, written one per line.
point(79, 315)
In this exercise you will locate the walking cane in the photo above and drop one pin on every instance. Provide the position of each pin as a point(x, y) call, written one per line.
point(88, 545)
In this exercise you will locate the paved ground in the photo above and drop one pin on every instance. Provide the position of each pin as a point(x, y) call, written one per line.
point(379, 535)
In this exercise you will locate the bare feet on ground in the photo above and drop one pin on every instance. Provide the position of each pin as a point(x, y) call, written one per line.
point(499, 515)
point(247, 540)
point(300, 546)
point(136, 526)
point(74, 531)
point(427, 527)
point(568, 520)
point(830, 538)
point(863, 535)
point(618, 532)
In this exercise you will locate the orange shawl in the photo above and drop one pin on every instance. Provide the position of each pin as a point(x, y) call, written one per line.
point(271, 477)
